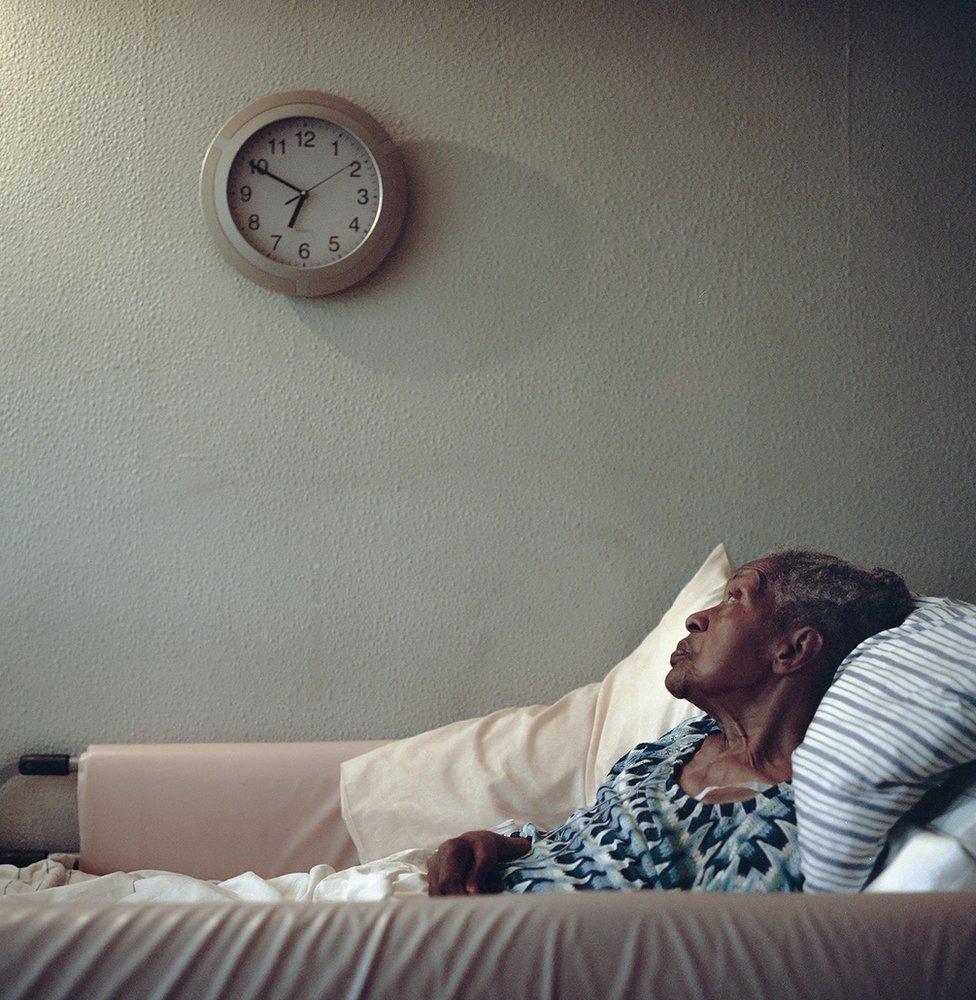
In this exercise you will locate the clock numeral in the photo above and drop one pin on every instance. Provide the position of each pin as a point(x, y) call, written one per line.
point(363, 196)
point(335, 148)
point(333, 243)
point(271, 143)
point(259, 166)
point(253, 222)
point(277, 238)
point(356, 168)
point(303, 251)
point(355, 224)
point(245, 193)
point(305, 138)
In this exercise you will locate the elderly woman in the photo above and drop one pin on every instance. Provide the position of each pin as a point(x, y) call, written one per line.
point(709, 805)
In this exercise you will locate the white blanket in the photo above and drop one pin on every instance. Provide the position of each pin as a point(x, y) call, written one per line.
point(400, 875)
point(922, 859)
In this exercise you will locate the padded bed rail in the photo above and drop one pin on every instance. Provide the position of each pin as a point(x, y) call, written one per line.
point(208, 810)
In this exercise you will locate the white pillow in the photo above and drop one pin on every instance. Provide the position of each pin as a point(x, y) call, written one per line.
point(538, 763)
point(934, 848)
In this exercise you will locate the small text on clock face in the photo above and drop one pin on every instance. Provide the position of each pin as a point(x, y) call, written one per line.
point(303, 192)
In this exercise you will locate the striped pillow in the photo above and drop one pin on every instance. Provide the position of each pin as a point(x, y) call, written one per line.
point(899, 716)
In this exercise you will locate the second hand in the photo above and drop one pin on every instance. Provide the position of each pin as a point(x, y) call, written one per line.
point(303, 195)
point(336, 174)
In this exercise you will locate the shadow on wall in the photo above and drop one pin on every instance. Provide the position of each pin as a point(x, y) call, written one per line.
point(492, 256)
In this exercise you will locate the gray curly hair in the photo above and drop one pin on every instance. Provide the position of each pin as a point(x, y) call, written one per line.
point(845, 603)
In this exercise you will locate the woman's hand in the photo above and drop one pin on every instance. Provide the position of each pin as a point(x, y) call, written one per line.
point(472, 863)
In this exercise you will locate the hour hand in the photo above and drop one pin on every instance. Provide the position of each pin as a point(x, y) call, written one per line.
point(298, 208)
point(257, 168)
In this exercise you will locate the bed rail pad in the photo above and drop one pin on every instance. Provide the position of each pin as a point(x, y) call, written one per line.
point(213, 810)
point(585, 944)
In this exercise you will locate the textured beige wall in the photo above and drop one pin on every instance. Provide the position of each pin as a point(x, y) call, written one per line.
point(672, 274)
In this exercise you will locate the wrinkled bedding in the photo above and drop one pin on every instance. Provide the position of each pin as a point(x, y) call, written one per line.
point(401, 875)
point(922, 860)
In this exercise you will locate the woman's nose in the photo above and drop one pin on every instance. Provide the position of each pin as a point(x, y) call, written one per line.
point(698, 622)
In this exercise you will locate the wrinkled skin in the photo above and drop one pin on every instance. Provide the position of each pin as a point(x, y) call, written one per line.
point(472, 863)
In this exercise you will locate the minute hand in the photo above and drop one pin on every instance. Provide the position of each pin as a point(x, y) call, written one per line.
point(329, 178)
point(280, 180)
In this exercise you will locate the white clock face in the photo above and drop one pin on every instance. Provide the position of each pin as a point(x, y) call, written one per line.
point(303, 192)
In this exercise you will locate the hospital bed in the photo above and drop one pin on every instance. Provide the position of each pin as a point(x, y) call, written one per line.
point(214, 810)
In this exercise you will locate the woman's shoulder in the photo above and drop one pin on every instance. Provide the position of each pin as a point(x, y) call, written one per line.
point(697, 727)
point(688, 733)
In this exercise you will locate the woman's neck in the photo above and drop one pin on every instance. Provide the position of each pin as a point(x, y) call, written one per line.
point(762, 733)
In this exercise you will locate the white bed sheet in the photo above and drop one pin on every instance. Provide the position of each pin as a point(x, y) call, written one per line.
point(937, 856)
point(401, 875)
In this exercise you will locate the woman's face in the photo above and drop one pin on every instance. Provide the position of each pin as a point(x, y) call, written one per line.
point(730, 647)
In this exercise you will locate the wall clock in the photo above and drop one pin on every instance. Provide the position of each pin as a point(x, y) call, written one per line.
point(303, 192)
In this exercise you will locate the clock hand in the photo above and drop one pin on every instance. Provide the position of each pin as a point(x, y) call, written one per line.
point(264, 170)
point(336, 174)
point(302, 195)
point(298, 208)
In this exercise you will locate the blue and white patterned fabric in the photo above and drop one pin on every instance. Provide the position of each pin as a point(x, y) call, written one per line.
point(898, 718)
point(644, 832)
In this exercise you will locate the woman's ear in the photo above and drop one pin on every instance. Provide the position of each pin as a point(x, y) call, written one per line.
point(797, 649)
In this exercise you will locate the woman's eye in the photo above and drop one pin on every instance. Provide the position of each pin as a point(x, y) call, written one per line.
point(731, 595)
